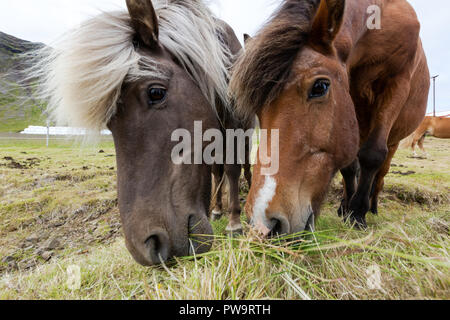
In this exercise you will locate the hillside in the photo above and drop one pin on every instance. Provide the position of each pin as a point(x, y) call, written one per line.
point(17, 108)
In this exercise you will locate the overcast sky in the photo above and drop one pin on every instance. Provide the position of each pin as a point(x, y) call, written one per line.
point(45, 20)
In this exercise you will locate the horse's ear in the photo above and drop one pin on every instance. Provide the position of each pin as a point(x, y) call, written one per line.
point(144, 21)
point(327, 21)
point(247, 37)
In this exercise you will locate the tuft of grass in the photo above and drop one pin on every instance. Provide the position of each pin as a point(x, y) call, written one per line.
point(330, 264)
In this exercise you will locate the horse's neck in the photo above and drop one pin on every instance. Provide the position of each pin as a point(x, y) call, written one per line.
point(368, 50)
point(355, 26)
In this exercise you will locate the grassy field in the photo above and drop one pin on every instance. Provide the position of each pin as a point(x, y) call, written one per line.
point(16, 113)
point(17, 109)
point(58, 209)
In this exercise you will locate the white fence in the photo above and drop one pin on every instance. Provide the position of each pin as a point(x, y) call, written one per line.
point(58, 131)
point(445, 114)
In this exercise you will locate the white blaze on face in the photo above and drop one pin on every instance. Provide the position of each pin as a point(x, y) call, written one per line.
point(265, 196)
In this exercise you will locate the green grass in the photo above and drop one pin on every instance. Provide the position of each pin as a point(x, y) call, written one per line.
point(408, 242)
point(18, 125)
point(16, 112)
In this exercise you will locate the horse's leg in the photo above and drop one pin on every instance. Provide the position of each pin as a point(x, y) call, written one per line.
point(379, 181)
point(374, 151)
point(218, 173)
point(233, 173)
point(350, 180)
point(421, 146)
point(371, 158)
point(413, 146)
point(248, 165)
point(248, 175)
point(418, 135)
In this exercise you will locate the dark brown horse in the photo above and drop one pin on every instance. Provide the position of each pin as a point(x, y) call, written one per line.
point(144, 74)
point(344, 82)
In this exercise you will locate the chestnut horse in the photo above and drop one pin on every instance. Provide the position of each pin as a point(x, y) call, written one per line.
point(342, 94)
point(438, 127)
point(145, 73)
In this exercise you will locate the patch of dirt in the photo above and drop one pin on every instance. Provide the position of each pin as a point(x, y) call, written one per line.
point(417, 196)
point(398, 166)
point(29, 163)
point(78, 230)
point(75, 178)
point(397, 193)
point(408, 173)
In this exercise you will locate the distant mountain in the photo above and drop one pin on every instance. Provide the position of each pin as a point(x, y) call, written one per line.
point(17, 108)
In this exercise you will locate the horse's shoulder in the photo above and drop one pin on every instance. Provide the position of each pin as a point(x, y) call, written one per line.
point(393, 49)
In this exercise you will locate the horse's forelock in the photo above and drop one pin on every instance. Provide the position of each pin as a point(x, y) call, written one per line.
point(261, 73)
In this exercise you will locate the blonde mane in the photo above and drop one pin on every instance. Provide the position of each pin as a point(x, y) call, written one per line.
point(81, 77)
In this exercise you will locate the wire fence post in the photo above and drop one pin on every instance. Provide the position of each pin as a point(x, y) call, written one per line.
point(48, 132)
point(434, 95)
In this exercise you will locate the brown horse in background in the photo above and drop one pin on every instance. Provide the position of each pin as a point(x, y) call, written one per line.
point(438, 127)
point(342, 95)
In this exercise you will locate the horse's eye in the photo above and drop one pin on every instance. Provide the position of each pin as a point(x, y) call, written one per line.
point(319, 89)
point(156, 95)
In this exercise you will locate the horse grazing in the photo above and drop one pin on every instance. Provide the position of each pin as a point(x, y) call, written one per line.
point(145, 73)
point(342, 95)
point(438, 127)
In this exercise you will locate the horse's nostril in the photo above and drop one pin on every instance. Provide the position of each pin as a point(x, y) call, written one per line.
point(281, 227)
point(276, 229)
point(158, 247)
